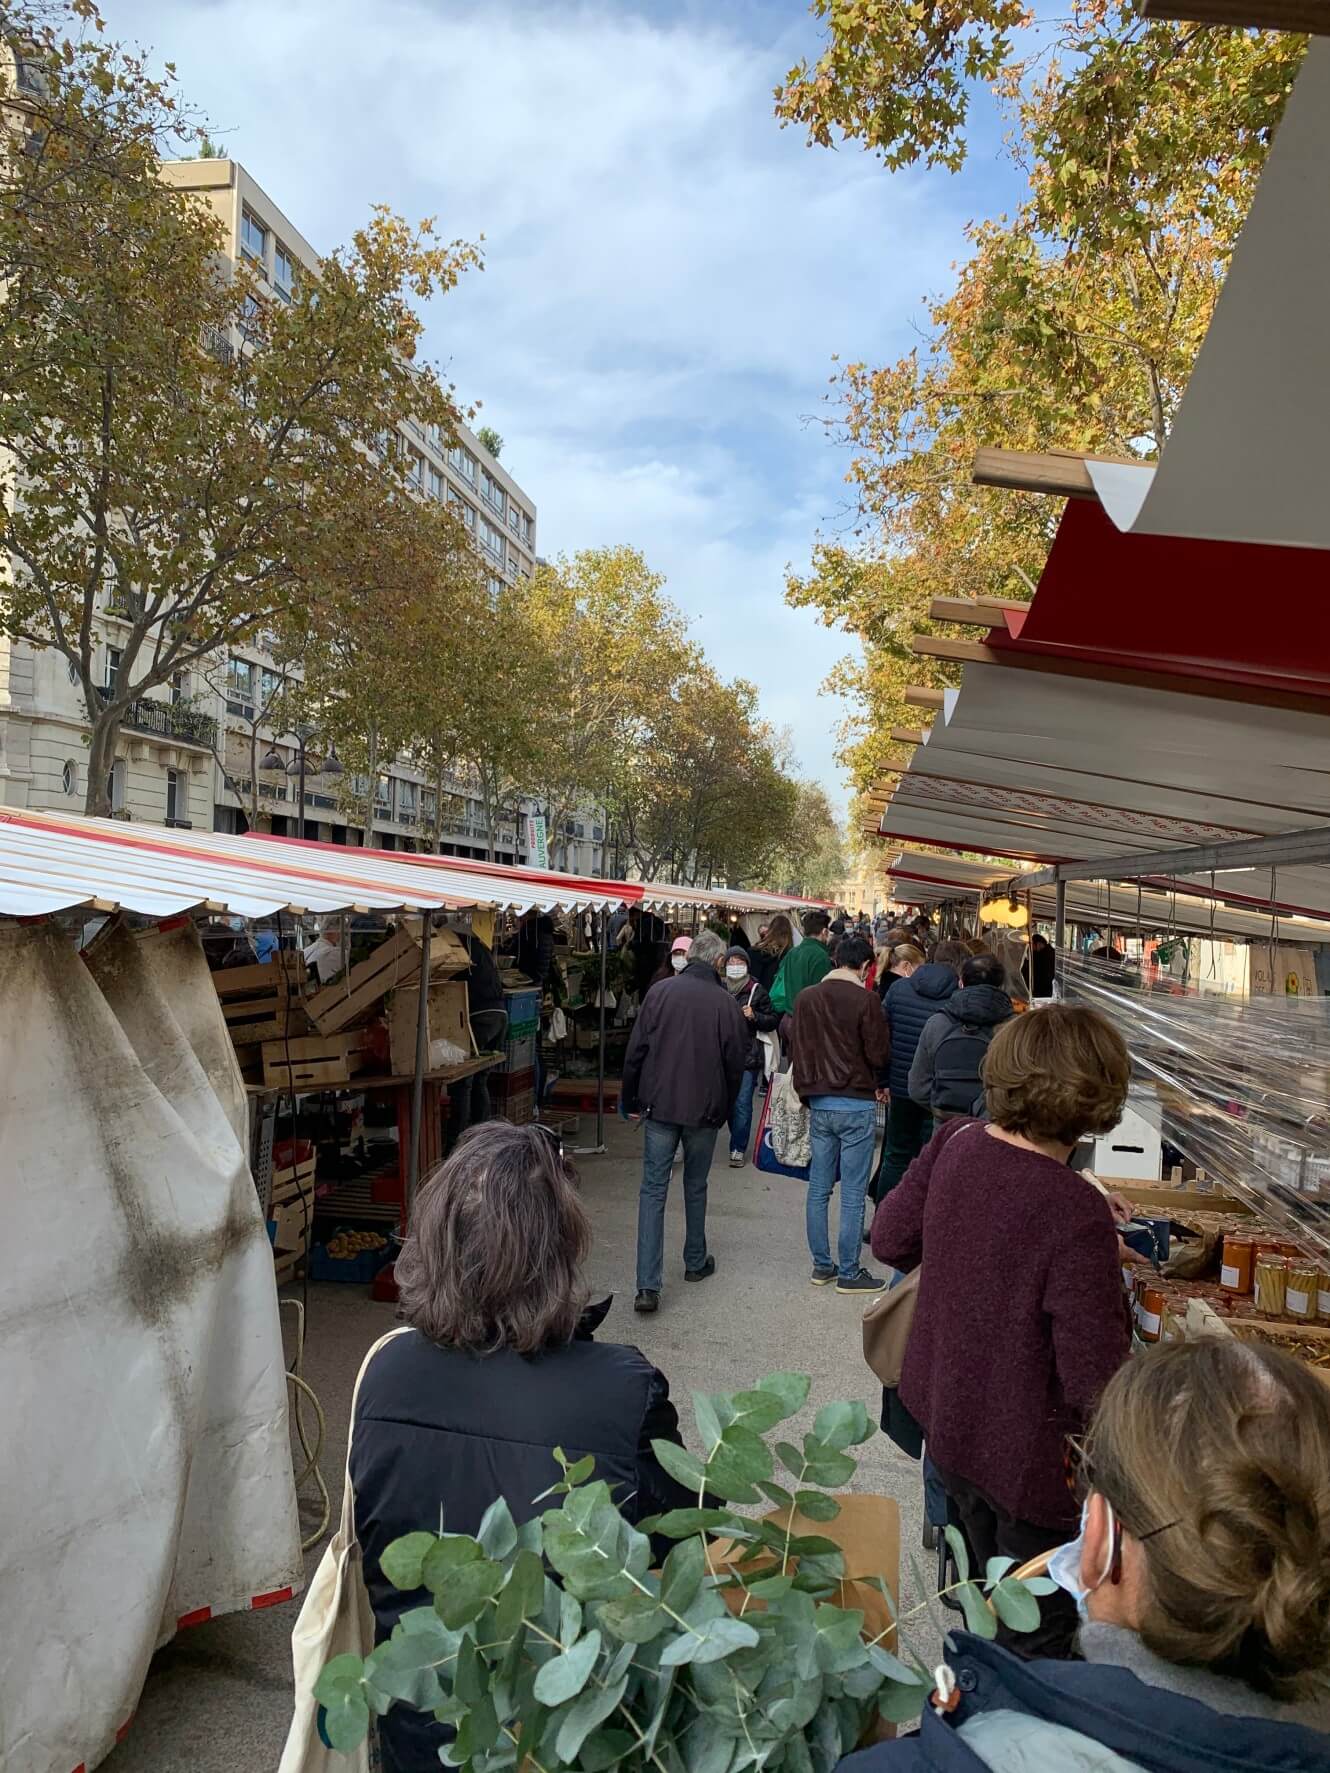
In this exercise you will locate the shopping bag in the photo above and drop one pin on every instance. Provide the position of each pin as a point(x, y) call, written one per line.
point(764, 1156)
point(888, 1320)
point(335, 1620)
point(791, 1123)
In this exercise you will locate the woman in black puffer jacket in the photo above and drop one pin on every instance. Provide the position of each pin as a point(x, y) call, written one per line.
point(908, 1005)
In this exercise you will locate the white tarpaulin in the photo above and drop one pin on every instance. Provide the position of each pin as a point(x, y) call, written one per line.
point(145, 1466)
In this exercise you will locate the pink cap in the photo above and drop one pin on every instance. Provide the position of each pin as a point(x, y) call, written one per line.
point(681, 944)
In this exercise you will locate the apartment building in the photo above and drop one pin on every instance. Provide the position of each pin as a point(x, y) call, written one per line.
point(187, 751)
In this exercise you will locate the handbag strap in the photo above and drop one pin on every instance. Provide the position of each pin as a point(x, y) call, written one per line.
point(348, 1495)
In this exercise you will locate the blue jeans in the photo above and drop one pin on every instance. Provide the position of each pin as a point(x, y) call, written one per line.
point(741, 1115)
point(844, 1137)
point(660, 1140)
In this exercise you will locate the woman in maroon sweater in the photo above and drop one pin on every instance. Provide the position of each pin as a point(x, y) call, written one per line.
point(1021, 1318)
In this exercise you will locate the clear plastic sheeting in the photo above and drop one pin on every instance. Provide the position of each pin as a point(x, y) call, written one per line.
point(1240, 1085)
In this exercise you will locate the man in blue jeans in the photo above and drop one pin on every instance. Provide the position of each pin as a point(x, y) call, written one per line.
point(841, 1048)
point(682, 1072)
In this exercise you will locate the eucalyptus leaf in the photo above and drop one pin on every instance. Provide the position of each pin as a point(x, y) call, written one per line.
point(467, 1591)
point(789, 1389)
point(758, 1410)
point(345, 1721)
point(680, 1522)
point(684, 1467)
point(709, 1644)
point(593, 1707)
point(497, 1532)
point(444, 1558)
point(1041, 1585)
point(402, 1560)
point(842, 1425)
point(959, 1550)
point(681, 1575)
point(815, 1505)
point(708, 1422)
point(900, 1702)
point(777, 1494)
point(996, 1568)
point(1016, 1606)
point(770, 1588)
point(340, 1675)
point(637, 1618)
point(570, 1619)
point(566, 1675)
point(979, 1617)
point(792, 1459)
point(604, 1749)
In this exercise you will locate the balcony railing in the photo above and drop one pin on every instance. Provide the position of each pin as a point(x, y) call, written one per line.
point(172, 720)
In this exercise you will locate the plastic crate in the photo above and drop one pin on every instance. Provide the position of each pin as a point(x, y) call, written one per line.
point(520, 1055)
point(522, 1006)
point(519, 1108)
point(360, 1268)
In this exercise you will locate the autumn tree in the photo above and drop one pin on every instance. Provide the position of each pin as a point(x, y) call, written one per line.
point(812, 859)
point(178, 443)
point(1073, 324)
point(612, 648)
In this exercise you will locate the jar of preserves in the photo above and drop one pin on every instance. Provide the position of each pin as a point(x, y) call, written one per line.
point(1301, 1289)
point(1271, 1285)
point(1237, 1264)
point(1151, 1303)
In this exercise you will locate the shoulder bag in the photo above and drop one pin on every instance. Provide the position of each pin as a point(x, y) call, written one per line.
point(335, 1620)
point(888, 1320)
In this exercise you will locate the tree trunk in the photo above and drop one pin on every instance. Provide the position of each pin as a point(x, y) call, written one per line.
point(253, 774)
point(437, 834)
point(373, 788)
point(101, 757)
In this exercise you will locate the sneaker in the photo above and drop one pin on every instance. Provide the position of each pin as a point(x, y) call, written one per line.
point(823, 1277)
point(862, 1282)
point(737, 1160)
point(707, 1269)
point(646, 1301)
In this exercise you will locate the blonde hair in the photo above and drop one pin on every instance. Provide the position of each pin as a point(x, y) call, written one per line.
point(1215, 1455)
point(903, 954)
point(779, 936)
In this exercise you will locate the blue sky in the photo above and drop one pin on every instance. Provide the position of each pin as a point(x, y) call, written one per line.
point(668, 273)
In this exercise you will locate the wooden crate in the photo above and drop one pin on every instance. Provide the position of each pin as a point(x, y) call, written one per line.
point(315, 1062)
point(293, 1184)
point(261, 1002)
point(394, 962)
point(449, 1019)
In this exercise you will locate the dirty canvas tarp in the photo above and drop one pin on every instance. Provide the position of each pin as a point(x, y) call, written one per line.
point(145, 1468)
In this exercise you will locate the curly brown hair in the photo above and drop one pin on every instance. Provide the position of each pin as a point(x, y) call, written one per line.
point(496, 1244)
point(1057, 1072)
point(1215, 1456)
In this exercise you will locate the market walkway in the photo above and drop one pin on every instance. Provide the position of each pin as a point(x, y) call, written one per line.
point(217, 1698)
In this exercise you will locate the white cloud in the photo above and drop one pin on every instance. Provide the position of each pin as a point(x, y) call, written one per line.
point(668, 273)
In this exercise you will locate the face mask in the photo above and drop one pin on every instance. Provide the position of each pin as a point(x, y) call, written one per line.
point(735, 970)
point(1064, 1567)
point(678, 962)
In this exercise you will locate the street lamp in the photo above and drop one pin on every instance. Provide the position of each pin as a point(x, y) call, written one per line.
point(330, 767)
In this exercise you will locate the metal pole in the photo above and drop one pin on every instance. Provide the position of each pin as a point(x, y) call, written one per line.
point(418, 1082)
point(1059, 918)
point(1029, 943)
point(600, 1072)
point(300, 792)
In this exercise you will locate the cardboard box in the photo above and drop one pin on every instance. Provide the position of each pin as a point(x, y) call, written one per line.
point(449, 1019)
point(394, 962)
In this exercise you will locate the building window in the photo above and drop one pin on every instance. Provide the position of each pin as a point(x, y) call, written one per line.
point(73, 671)
point(69, 777)
point(253, 238)
point(435, 482)
point(115, 785)
point(383, 795)
point(597, 834)
point(465, 511)
point(491, 491)
point(283, 272)
point(491, 540)
point(415, 468)
point(270, 684)
point(464, 462)
point(177, 796)
point(179, 686)
point(514, 520)
point(240, 688)
point(495, 591)
point(113, 657)
point(406, 800)
point(530, 536)
point(251, 313)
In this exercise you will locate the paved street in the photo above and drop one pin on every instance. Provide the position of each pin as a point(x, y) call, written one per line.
point(217, 1699)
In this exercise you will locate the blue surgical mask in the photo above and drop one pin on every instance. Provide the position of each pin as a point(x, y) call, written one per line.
point(1064, 1567)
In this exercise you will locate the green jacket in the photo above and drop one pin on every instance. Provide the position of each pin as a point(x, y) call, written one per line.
point(802, 966)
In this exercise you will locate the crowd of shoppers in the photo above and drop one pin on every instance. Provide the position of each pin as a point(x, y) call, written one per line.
point(945, 1073)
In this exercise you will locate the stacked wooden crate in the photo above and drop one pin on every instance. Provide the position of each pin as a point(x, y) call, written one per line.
point(262, 1005)
point(291, 1207)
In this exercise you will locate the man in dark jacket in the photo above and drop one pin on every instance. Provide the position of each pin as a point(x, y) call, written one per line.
point(840, 1070)
point(909, 1004)
point(682, 1071)
point(945, 1075)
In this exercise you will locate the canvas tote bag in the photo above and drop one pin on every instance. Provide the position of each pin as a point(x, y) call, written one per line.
point(335, 1621)
point(888, 1320)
